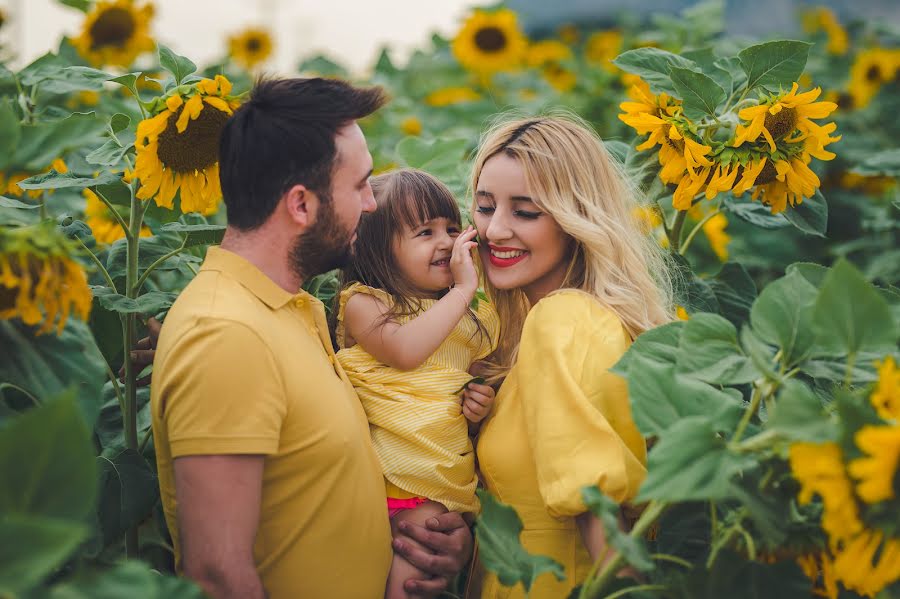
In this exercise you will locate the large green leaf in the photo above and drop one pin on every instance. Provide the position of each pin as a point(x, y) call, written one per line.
point(128, 492)
point(736, 577)
point(632, 548)
point(754, 213)
point(47, 365)
point(851, 316)
point(59, 79)
point(17, 204)
point(709, 351)
point(652, 64)
point(179, 66)
point(782, 316)
point(31, 547)
point(811, 216)
point(149, 303)
point(659, 345)
point(10, 132)
point(799, 415)
point(774, 65)
point(54, 180)
point(440, 156)
point(691, 462)
point(701, 95)
point(47, 462)
point(202, 234)
point(661, 397)
point(43, 142)
point(735, 291)
point(151, 249)
point(113, 151)
point(884, 163)
point(813, 273)
point(706, 59)
point(500, 548)
point(127, 579)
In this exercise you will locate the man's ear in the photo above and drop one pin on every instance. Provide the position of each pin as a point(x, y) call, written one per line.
point(301, 205)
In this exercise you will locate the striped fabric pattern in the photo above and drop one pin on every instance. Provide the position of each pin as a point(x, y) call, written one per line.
point(415, 418)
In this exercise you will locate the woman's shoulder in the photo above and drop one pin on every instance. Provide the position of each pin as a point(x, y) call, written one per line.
point(575, 311)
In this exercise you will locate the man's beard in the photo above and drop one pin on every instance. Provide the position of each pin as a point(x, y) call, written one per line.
point(325, 246)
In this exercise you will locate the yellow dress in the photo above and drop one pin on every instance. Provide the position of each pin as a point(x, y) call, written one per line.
point(415, 416)
point(561, 422)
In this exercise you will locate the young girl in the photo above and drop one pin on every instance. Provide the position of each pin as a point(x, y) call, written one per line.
point(408, 336)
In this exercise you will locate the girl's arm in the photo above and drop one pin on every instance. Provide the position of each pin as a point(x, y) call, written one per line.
point(407, 346)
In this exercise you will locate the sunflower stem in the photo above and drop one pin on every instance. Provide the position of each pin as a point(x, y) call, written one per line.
point(33, 399)
point(695, 230)
point(160, 260)
point(748, 414)
point(636, 588)
point(675, 232)
point(666, 557)
point(99, 265)
point(115, 384)
point(114, 212)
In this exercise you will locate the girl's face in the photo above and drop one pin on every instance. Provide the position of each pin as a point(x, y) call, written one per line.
point(423, 254)
point(520, 246)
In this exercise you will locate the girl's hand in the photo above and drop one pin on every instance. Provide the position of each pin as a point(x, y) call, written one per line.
point(465, 276)
point(477, 402)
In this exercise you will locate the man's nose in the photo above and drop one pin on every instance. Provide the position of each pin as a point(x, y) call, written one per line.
point(368, 199)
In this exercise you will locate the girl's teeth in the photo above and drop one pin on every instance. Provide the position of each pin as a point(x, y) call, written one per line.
point(506, 255)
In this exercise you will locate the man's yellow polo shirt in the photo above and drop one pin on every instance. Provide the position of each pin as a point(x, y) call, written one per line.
point(244, 367)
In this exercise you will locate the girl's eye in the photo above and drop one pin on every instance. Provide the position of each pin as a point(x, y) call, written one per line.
point(485, 209)
point(527, 215)
point(423, 232)
point(453, 231)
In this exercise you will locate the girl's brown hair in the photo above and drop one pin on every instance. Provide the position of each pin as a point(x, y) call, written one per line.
point(404, 199)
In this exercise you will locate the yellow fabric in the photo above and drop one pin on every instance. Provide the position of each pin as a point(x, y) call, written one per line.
point(415, 417)
point(561, 422)
point(243, 367)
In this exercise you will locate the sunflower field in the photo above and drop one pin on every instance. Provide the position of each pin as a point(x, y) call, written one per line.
point(768, 168)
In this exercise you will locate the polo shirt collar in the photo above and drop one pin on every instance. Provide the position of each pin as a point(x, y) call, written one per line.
point(248, 275)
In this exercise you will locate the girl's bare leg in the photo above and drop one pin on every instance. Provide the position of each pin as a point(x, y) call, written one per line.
point(402, 570)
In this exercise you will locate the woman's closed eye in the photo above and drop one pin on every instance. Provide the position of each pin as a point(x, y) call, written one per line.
point(527, 215)
point(484, 209)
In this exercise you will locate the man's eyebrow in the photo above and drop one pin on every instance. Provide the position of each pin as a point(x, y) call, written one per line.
point(366, 177)
point(484, 194)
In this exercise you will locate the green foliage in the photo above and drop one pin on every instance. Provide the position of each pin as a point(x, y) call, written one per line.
point(500, 549)
point(54, 180)
point(149, 303)
point(653, 64)
point(700, 93)
point(180, 66)
point(634, 550)
point(774, 65)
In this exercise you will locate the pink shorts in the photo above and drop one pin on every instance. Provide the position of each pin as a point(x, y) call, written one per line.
point(395, 506)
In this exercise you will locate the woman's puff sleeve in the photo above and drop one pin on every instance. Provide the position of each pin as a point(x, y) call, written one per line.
point(578, 416)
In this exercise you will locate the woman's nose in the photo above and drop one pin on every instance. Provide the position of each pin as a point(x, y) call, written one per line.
point(498, 228)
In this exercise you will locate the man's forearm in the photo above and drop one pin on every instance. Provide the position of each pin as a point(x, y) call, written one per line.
point(228, 582)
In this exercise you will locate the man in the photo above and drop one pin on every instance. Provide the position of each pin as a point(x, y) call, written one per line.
point(267, 476)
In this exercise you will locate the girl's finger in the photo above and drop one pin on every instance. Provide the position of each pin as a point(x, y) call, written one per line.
point(480, 399)
point(480, 388)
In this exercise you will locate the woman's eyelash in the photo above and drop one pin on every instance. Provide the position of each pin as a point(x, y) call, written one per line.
point(484, 209)
point(528, 215)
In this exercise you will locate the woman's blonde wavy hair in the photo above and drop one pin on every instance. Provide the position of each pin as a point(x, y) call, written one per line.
point(572, 177)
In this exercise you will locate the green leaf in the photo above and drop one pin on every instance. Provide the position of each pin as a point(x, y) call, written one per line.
point(132, 578)
point(761, 354)
point(500, 549)
point(118, 122)
point(129, 82)
point(736, 577)
point(885, 163)
point(60, 79)
point(813, 273)
point(151, 249)
point(10, 132)
point(811, 216)
point(799, 415)
point(851, 316)
point(31, 547)
point(47, 462)
point(198, 234)
point(754, 213)
point(54, 180)
point(732, 67)
point(440, 156)
point(478, 380)
point(13, 203)
point(149, 303)
point(112, 152)
point(735, 291)
point(82, 5)
point(700, 94)
point(774, 65)
point(42, 143)
point(692, 292)
point(782, 316)
point(48, 365)
point(179, 66)
point(128, 492)
point(652, 64)
point(709, 352)
point(659, 345)
point(691, 462)
point(661, 397)
point(631, 548)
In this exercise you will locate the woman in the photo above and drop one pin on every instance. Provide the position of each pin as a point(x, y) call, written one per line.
point(574, 281)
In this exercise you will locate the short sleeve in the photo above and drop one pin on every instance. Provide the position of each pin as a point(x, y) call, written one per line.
point(345, 296)
point(210, 407)
point(577, 413)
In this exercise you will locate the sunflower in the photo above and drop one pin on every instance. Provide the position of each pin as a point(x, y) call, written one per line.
point(793, 181)
point(868, 562)
point(823, 19)
point(2, 18)
point(871, 69)
point(874, 185)
point(104, 227)
point(11, 185)
point(875, 471)
point(490, 42)
point(602, 47)
point(569, 33)
point(886, 396)
point(250, 47)
point(448, 96)
point(115, 32)
point(178, 148)
point(816, 564)
point(714, 229)
point(411, 126)
point(780, 116)
point(547, 56)
point(750, 172)
point(40, 284)
point(681, 313)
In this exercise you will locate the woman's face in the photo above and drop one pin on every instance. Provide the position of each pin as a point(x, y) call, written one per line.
point(520, 246)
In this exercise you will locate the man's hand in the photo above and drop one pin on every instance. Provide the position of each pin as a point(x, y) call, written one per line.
point(144, 351)
point(450, 543)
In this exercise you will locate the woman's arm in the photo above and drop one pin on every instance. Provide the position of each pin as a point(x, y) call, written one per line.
point(406, 346)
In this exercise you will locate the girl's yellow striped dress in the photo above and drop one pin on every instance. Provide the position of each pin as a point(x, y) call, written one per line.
point(415, 417)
